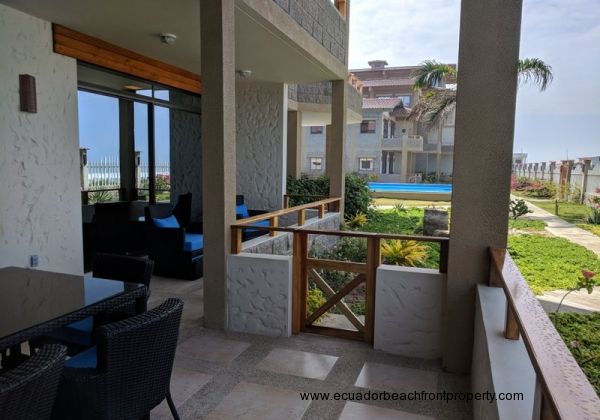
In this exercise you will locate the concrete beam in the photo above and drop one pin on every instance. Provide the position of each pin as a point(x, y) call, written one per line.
point(217, 23)
point(485, 116)
point(335, 141)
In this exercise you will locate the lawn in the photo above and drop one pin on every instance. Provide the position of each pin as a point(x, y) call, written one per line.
point(550, 263)
point(526, 225)
point(581, 334)
point(571, 212)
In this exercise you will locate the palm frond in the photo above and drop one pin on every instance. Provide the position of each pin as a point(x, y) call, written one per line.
point(434, 106)
point(535, 70)
point(431, 73)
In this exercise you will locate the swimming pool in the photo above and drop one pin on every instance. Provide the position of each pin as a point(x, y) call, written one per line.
point(410, 188)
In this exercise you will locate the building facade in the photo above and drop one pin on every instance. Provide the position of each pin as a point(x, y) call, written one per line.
point(388, 145)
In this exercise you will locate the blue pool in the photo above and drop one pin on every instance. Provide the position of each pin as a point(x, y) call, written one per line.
point(410, 188)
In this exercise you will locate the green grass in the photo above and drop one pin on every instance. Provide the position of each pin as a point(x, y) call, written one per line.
point(571, 212)
point(581, 334)
point(550, 263)
point(526, 225)
point(595, 229)
point(409, 203)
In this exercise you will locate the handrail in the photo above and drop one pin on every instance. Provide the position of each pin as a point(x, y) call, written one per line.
point(566, 391)
point(286, 198)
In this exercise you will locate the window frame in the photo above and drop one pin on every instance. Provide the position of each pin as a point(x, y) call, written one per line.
point(311, 163)
point(316, 129)
point(365, 126)
point(366, 159)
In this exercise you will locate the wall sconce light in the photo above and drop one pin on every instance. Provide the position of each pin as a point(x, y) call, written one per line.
point(28, 97)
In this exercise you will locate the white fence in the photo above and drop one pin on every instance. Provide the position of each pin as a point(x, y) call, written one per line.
point(106, 173)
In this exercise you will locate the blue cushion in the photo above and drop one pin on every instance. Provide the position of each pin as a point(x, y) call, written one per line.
point(79, 332)
point(86, 359)
point(242, 211)
point(167, 222)
point(265, 223)
point(193, 242)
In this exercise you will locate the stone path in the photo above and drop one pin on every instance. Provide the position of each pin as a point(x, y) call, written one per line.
point(579, 301)
point(563, 229)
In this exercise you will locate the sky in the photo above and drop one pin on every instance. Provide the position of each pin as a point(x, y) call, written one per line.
point(563, 121)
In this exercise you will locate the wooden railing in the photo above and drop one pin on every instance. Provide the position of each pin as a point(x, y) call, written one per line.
point(563, 388)
point(288, 197)
point(328, 204)
point(305, 268)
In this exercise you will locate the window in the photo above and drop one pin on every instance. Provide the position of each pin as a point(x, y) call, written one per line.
point(389, 129)
point(316, 129)
point(368, 126)
point(365, 164)
point(406, 99)
point(316, 163)
point(392, 129)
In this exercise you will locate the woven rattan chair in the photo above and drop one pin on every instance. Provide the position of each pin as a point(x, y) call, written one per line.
point(27, 392)
point(128, 373)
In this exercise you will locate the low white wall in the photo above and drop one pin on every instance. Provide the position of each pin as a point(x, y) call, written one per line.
point(260, 294)
point(499, 365)
point(408, 311)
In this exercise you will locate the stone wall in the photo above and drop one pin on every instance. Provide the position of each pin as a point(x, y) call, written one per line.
point(322, 21)
point(259, 290)
point(320, 93)
point(40, 204)
point(186, 154)
point(408, 313)
point(261, 131)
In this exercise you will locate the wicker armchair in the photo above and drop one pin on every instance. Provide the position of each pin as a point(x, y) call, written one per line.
point(129, 371)
point(27, 392)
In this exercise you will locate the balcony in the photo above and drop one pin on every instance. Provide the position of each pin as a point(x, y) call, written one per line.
point(410, 143)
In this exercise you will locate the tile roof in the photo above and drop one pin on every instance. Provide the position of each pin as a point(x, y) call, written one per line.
point(388, 82)
point(380, 103)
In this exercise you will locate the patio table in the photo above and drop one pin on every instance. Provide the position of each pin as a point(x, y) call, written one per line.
point(35, 302)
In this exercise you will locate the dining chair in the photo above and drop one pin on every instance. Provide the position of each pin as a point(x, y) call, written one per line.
point(27, 392)
point(127, 373)
point(112, 267)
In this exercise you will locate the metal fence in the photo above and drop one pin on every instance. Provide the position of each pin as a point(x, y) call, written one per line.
point(106, 174)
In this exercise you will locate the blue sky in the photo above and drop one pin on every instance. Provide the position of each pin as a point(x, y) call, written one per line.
point(564, 33)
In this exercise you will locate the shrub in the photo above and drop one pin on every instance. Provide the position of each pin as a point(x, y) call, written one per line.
point(540, 189)
point(406, 253)
point(594, 217)
point(518, 208)
point(358, 195)
point(315, 298)
point(359, 220)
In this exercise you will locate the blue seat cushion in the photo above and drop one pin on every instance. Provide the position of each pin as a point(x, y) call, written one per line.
point(261, 223)
point(79, 332)
point(193, 242)
point(167, 222)
point(86, 359)
point(241, 210)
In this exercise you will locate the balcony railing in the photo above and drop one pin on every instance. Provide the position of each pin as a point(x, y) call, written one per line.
point(565, 391)
point(411, 143)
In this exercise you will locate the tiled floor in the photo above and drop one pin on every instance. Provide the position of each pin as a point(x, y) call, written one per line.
point(221, 375)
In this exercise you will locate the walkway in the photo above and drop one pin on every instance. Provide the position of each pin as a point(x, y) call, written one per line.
point(558, 227)
point(579, 301)
point(219, 375)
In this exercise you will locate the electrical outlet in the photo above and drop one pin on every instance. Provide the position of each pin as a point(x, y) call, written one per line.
point(34, 261)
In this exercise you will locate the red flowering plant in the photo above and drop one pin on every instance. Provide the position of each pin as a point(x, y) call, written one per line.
point(587, 281)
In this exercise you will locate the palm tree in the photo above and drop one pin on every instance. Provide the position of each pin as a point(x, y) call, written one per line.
point(436, 103)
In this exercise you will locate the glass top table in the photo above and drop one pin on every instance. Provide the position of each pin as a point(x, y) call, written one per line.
point(35, 302)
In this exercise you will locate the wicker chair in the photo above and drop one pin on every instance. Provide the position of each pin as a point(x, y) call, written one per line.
point(78, 335)
point(27, 392)
point(129, 371)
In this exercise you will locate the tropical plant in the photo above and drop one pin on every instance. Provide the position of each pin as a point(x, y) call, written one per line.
point(357, 221)
point(436, 103)
point(406, 253)
point(594, 217)
point(586, 281)
point(518, 208)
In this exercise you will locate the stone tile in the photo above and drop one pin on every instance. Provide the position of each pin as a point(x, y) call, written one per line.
point(184, 384)
point(250, 401)
point(193, 309)
point(357, 411)
point(298, 363)
point(172, 286)
point(211, 349)
point(396, 379)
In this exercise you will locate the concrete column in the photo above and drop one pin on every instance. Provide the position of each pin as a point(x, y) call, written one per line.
point(551, 169)
point(584, 178)
point(485, 116)
point(535, 170)
point(438, 156)
point(126, 150)
point(543, 170)
point(335, 140)
point(295, 141)
point(404, 164)
point(217, 44)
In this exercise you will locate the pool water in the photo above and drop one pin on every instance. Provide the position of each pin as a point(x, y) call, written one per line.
point(419, 188)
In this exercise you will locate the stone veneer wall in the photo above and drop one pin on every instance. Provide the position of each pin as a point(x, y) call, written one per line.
point(259, 289)
point(261, 143)
point(40, 203)
point(186, 153)
point(408, 313)
point(322, 21)
point(320, 93)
